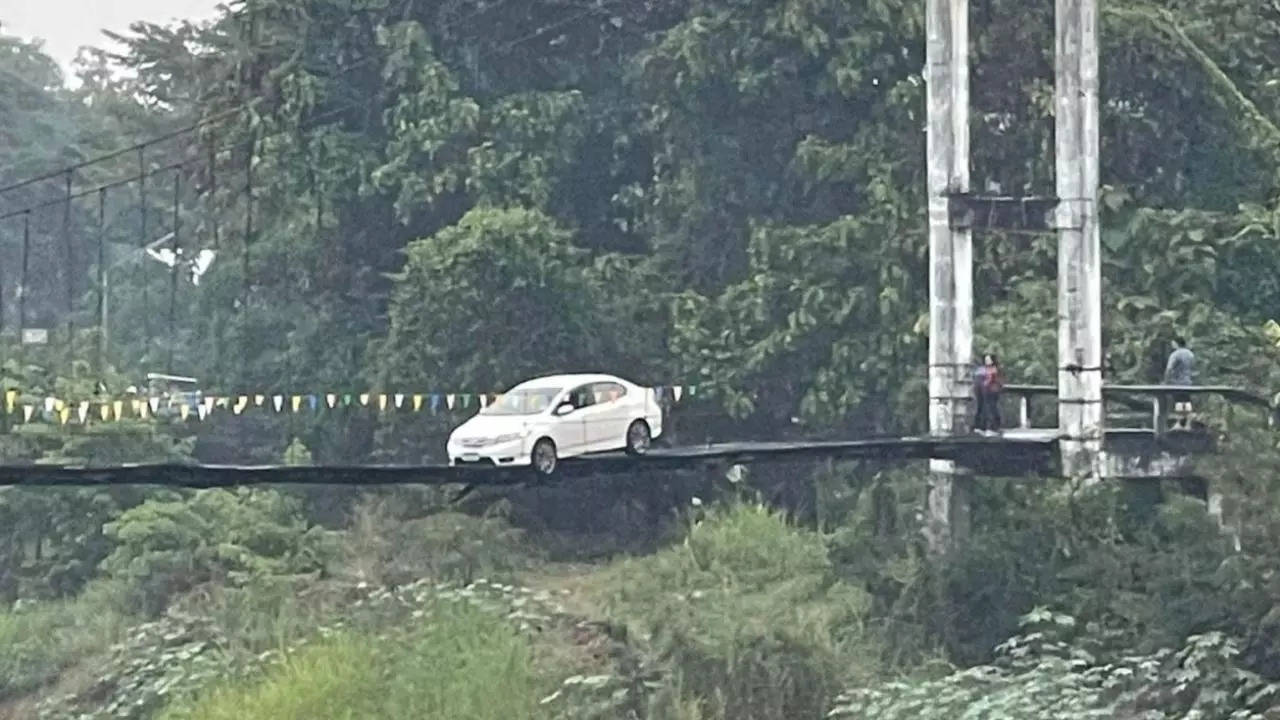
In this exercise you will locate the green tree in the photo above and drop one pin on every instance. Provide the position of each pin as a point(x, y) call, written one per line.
point(172, 543)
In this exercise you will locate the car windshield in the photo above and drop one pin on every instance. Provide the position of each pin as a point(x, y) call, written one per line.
point(526, 401)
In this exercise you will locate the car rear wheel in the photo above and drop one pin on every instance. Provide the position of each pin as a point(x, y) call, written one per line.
point(543, 458)
point(638, 438)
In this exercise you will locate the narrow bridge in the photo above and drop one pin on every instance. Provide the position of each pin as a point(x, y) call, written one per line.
point(1021, 451)
point(1098, 431)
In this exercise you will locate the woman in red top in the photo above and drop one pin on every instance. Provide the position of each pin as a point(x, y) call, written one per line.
point(991, 382)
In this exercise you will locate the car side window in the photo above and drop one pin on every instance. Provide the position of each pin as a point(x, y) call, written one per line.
point(581, 397)
point(606, 392)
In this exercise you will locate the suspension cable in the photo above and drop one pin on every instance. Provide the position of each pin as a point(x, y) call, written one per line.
point(102, 281)
point(146, 293)
point(70, 269)
point(177, 263)
point(22, 283)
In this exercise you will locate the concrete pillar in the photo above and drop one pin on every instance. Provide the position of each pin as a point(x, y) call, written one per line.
point(1080, 410)
point(950, 265)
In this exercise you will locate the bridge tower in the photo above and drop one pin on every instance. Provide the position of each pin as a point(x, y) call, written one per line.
point(950, 264)
point(953, 215)
point(1080, 409)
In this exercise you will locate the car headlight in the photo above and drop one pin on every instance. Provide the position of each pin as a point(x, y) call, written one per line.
point(507, 438)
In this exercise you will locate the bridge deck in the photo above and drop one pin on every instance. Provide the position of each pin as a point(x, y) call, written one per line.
point(1014, 453)
point(1018, 451)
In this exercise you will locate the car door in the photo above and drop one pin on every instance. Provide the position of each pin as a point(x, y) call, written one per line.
point(607, 422)
point(569, 431)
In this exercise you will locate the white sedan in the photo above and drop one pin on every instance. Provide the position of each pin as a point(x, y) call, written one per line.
point(560, 416)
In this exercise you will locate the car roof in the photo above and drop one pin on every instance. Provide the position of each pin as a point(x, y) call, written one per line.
point(570, 380)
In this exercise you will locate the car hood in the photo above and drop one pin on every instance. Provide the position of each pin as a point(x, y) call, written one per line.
point(493, 425)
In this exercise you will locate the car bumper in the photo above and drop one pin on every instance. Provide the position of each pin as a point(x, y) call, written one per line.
point(505, 454)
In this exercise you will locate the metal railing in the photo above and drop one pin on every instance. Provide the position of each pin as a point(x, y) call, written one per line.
point(1160, 398)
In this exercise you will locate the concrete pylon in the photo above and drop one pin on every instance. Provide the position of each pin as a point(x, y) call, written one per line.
point(1080, 409)
point(950, 266)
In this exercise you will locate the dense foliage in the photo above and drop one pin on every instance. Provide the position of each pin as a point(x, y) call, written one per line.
point(728, 193)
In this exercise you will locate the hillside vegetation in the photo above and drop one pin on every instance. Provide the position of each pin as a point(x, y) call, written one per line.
point(720, 194)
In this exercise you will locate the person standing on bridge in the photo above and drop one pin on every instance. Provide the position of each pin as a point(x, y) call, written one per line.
point(987, 384)
point(1180, 370)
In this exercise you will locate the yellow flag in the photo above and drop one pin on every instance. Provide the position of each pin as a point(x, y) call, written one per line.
point(10, 398)
point(59, 405)
point(64, 414)
point(417, 403)
point(104, 411)
point(137, 406)
point(382, 402)
point(296, 402)
point(184, 410)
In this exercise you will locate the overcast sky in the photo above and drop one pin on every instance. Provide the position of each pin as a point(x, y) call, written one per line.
point(65, 25)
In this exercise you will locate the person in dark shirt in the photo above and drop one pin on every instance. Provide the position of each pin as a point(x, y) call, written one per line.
point(1180, 371)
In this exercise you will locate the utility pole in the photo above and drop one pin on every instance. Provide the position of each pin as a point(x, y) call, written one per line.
point(950, 265)
point(1080, 409)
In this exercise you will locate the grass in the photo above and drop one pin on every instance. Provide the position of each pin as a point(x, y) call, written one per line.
point(38, 642)
point(456, 662)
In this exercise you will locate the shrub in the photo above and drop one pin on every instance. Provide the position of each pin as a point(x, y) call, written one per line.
point(1051, 671)
point(457, 662)
point(165, 547)
point(749, 616)
point(39, 640)
point(445, 546)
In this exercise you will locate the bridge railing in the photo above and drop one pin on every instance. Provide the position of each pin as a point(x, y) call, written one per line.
point(1159, 398)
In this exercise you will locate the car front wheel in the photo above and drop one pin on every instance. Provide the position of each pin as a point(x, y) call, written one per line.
point(638, 438)
point(543, 458)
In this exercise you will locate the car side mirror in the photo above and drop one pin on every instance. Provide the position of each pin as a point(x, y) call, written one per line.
point(563, 409)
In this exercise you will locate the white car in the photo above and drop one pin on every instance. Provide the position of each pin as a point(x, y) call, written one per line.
point(540, 421)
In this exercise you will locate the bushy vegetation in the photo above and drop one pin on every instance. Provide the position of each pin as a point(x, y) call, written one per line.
point(454, 661)
point(39, 640)
point(164, 547)
point(1055, 670)
point(749, 614)
point(727, 193)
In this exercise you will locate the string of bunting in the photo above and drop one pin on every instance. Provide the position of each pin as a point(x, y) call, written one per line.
point(187, 406)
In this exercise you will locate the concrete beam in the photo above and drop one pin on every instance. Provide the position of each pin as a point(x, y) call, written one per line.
point(1080, 409)
point(950, 264)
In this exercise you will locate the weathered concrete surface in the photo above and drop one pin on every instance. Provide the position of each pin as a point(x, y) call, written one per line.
point(950, 265)
point(1080, 410)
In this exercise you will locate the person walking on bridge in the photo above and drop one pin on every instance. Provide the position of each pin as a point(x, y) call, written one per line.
point(1180, 371)
point(987, 384)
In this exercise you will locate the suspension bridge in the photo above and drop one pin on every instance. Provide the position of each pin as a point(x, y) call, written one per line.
point(194, 209)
